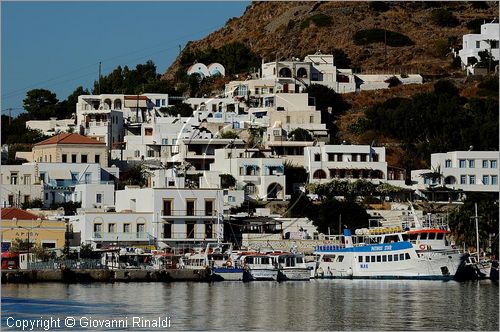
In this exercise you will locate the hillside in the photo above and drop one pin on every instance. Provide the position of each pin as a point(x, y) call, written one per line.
point(285, 29)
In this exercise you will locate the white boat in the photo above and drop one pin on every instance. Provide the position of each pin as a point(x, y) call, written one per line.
point(223, 264)
point(409, 251)
point(259, 267)
point(292, 266)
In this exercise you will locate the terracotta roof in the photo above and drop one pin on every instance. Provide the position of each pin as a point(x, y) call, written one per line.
point(69, 138)
point(10, 213)
point(136, 98)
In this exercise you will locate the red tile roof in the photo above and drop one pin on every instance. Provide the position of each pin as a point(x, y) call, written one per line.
point(10, 213)
point(69, 138)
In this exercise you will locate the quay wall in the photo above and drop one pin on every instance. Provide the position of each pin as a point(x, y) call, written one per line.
point(103, 275)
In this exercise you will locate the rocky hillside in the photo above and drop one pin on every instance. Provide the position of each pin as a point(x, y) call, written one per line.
point(420, 32)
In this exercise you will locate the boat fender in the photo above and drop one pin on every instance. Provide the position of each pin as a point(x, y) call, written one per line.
point(422, 247)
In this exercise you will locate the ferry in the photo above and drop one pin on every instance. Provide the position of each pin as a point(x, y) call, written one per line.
point(259, 266)
point(292, 266)
point(410, 251)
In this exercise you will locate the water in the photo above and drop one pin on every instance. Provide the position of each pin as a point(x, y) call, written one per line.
point(314, 305)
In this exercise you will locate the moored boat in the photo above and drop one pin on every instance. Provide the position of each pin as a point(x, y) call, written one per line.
point(292, 266)
point(259, 267)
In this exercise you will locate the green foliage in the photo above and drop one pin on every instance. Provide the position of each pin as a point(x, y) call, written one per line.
point(229, 134)
point(86, 252)
point(69, 207)
point(301, 206)
point(444, 18)
point(462, 224)
point(134, 176)
point(489, 87)
point(486, 60)
point(183, 109)
point(227, 181)
point(369, 36)
point(340, 58)
point(42, 254)
point(379, 6)
point(33, 204)
point(325, 98)
point(20, 245)
point(300, 134)
point(319, 20)
point(235, 57)
point(40, 104)
point(331, 211)
point(294, 174)
point(438, 121)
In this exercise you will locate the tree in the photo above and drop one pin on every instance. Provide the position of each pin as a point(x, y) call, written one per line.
point(347, 213)
point(340, 58)
point(227, 181)
point(135, 175)
point(229, 134)
point(181, 109)
point(20, 245)
point(300, 134)
point(294, 174)
point(40, 104)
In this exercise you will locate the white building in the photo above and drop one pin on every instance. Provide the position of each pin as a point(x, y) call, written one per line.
point(52, 126)
point(19, 184)
point(258, 172)
point(472, 44)
point(213, 69)
point(180, 215)
point(469, 171)
point(329, 162)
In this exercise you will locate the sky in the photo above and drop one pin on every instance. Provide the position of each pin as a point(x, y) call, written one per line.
point(58, 45)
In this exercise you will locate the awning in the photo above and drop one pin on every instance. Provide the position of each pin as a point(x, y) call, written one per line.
point(59, 174)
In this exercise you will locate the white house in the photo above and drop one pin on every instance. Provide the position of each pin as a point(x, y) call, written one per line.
point(472, 44)
point(19, 184)
point(213, 69)
point(52, 126)
point(469, 171)
point(329, 162)
point(258, 172)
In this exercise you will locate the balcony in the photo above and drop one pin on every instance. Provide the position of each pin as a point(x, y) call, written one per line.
point(209, 214)
point(110, 237)
point(183, 236)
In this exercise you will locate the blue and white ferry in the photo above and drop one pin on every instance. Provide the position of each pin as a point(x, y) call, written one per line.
point(387, 254)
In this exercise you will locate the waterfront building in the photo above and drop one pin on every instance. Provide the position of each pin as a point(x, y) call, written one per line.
point(20, 224)
point(472, 44)
point(345, 162)
point(20, 184)
point(467, 171)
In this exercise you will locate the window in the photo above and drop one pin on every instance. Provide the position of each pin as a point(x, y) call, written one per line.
point(84, 158)
point(276, 132)
point(257, 91)
point(98, 198)
point(360, 259)
point(384, 258)
point(97, 230)
point(396, 257)
point(379, 259)
point(73, 158)
point(140, 230)
point(27, 179)
point(463, 179)
point(407, 256)
point(472, 179)
point(26, 198)
point(190, 230)
point(485, 163)
point(209, 208)
point(97, 158)
point(11, 200)
point(472, 163)
point(493, 163)
point(163, 102)
point(208, 230)
point(389, 258)
point(373, 259)
point(64, 158)
point(288, 119)
point(311, 119)
point(317, 157)
point(174, 141)
point(190, 208)
point(88, 178)
point(231, 199)
point(494, 44)
point(494, 180)
point(13, 178)
point(148, 131)
point(126, 228)
point(401, 257)
point(157, 102)
point(367, 259)
point(486, 179)
point(461, 163)
point(447, 163)
point(136, 153)
point(167, 231)
point(478, 44)
point(423, 236)
point(111, 228)
point(167, 207)
point(164, 141)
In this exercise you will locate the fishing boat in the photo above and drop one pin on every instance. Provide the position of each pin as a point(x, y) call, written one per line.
point(258, 266)
point(292, 266)
point(223, 263)
point(411, 250)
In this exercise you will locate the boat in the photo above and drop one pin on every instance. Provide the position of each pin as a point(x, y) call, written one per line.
point(292, 266)
point(259, 266)
point(224, 265)
point(411, 250)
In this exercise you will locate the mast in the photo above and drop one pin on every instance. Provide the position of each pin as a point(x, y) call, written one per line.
point(477, 232)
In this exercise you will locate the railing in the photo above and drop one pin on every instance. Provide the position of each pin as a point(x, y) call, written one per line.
point(72, 183)
point(68, 263)
point(181, 236)
point(124, 236)
point(189, 213)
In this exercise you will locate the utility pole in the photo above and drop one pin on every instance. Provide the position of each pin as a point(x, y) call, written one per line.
point(477, 232)
point(99, 80)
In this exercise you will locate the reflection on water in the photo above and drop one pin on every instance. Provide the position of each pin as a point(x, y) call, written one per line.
point(314, 305)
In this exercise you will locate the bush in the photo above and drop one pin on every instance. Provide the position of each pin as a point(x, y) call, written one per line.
point(475, 25)
point(440, 48)
point(379, 6)
point(393, 81)
point(33, 204)
point(227, 181)
point(319, 20)
point(369, 36)
point(229, 134)
point(444, 18)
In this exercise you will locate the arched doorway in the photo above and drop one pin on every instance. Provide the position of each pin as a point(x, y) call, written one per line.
point(274, 191)
point(319, 174)
point(285, 72)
